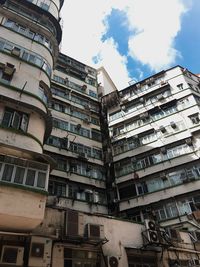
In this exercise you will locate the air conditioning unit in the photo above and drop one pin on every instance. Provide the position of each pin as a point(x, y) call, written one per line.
point(188, 141)
point(163, 150)
point(12, 256)
point(124, 100)
point(114, 185)
point(74, 224)
point(86, 120)
point(141, 100)
point(123, 107)
point(185, 71)
point(82, 155)
point(95, 231)
point(150, 235)
point(144, 115)
point(84, 87)
point(163, 83)
point(173, 124)
point(96, 198)
point(40, 252)
point(78, 127)
point(160, 97)
point(64, 143)
point(86, 106)
point(9, 69)
point(16, 51)
point(122, 131)
point(162, 129)
point(150, 224)
point(133, 159)
point(112, 261)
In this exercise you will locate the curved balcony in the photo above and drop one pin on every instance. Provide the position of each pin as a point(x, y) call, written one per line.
point(52, 6)
point(22, 181)
point(30, 103)
point(50, 11)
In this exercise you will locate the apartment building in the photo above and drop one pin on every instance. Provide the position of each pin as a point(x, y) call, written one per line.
point(154, 130)
point(78, 180)
point(30, 35)
point(58, 184)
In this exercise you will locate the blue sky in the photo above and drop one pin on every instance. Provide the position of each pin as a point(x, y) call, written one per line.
point(133, 39)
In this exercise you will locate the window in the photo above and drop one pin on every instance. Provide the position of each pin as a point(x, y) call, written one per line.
point(96, 135)
point(42, 94)
point(19, 175)
point(180, 86)
point(115, 116)
point(92, 93)
point(58, 189)
point(61, 164)
point(96, 153)
point(33, 16)
point(23, 172)
point(53, 141)
point(177, 151)
point(41, 179)
point(95, 121)
point(60, 124)
point(7, 173)
point(80, 130)
point(141, 188)
point(30, 177)
point(44, 6)
point(183, 103)
point(15, 119)
point(59, 79)
point(148, 138)
point(91, 81)
point(186, 206)
point(60, 92)
point(81, 258)
point(26, 55)
point(195, 118)
point(60, 107)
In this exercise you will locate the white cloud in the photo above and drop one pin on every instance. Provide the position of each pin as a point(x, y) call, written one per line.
point(156, 27)
point(153, 26)
point(84, 26)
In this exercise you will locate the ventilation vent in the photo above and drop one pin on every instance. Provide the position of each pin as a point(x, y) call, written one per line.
point(12, 255)
point(74, 224)
point(95, 231)
point(37, 250)
point(113, 261)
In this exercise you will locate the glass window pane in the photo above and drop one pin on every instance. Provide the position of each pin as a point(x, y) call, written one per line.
point(7, 118)
point(16, 120)
point(7, 173)
point(19, 175)
point(41, 179)
point(30, 178)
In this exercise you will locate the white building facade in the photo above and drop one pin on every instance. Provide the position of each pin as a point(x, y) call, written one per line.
point(154, 132)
